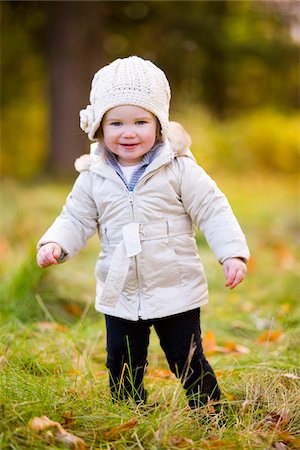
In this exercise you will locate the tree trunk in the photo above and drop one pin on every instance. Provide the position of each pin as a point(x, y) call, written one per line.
point(75, 53)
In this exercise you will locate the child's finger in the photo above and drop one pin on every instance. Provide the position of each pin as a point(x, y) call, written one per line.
point(48, 256)
point(56, 252)
point(230, 276)
point(238, 278)
point(45, 261)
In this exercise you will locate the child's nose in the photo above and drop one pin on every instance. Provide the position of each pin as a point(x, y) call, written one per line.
point(129, 133)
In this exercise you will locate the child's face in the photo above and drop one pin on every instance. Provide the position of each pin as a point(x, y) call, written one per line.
point(129, 132)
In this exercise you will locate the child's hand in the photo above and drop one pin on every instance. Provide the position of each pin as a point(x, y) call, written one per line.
point(48, 254)
point(235, 271)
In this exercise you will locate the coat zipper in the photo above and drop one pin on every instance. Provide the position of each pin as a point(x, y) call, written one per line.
point(140, 182)
point(136, 265)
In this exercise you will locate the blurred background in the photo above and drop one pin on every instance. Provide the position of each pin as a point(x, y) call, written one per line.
point(233, 67)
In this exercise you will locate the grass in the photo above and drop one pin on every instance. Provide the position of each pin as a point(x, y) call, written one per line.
point(53, 342)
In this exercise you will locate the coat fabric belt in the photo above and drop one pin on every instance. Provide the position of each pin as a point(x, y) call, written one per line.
point(130, 246)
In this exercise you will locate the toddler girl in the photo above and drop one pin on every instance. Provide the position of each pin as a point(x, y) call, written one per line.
point(142, 190)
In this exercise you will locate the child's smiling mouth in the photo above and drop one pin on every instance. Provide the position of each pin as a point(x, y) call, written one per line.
point(129, 146)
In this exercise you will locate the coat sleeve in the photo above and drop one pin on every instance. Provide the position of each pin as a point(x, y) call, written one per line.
point(77, 221)
point(209, 209)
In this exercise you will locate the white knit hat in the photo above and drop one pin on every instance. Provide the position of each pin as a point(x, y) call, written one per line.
point(128, 81)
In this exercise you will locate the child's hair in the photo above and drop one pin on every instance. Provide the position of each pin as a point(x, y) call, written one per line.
point(128, 81)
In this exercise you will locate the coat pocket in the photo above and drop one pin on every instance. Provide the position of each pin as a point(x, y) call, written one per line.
point(158, 263)
point(103, 262)
point(190, 265)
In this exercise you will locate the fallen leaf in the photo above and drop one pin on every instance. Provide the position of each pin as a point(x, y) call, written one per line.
point(210, 346)
point(68, 418)
point(100, 373)
point(219, 373)
point(232, 347)
point(285, 437)
point(113, 433)
point(291, 441)
point(284, 256)
point(270, 336)
point(51, 326)
point(251, 264)
point(74, 372)
point(277, 419)
point(230, 397)
point(161, 373)
point(209, 342)
point(40, 424)
point(181, 442)
point(74, 309)
point(214, 442)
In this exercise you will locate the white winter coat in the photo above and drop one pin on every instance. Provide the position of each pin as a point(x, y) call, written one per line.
point(148, 266)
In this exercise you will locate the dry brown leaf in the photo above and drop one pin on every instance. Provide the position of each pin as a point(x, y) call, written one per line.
point(215, 442)
point(74, 309)
point(113, 433)
point(51, 326)
point(277, 419)
point(74, 372)
point(286, 437)
point(40, 424)
point(180, 442)
point(283, 254)
point(270, 336)
point(68, 418)
point(209, 342)
point(251, 264)
point(161, 373)
point(230, 397)
point(219, 373)
point(291, 441)
point(100, 373)
point(232, 347)
point(210, 346)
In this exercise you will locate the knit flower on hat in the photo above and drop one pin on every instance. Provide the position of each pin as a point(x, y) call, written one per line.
point(86, 118)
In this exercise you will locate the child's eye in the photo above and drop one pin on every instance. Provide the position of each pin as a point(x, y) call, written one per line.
point(141, 122)
point(116, 124)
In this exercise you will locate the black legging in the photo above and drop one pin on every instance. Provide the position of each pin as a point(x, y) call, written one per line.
point(180, 338)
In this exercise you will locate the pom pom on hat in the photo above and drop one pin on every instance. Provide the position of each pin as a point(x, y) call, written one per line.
point(86, 119)
point(128, 81)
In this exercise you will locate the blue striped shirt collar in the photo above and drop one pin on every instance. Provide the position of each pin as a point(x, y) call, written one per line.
point(147, 159)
